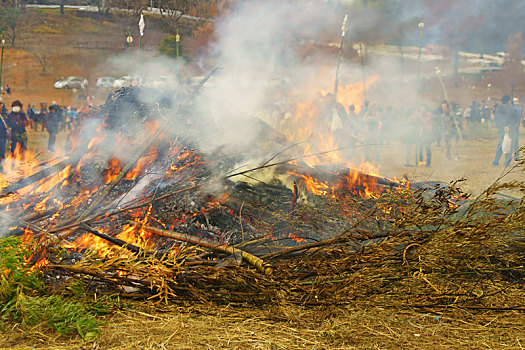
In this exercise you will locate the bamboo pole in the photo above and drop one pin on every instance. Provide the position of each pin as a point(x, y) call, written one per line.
point(254, 261)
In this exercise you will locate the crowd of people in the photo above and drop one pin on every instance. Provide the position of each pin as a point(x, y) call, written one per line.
point(419, 129)
point(14, 124)
point(368, 128)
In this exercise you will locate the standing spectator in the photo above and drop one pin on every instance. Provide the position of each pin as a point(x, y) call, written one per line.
point(450, 129)
point(485, 112)
point(8, 89)
point(42, 116)
point(503, 120)
point(3, 110)
point(475, 112)
point(31, 114)
point(337, 116)
point(74, 118)
point(18, 121)
point(68, 118)
point(52, 125)
point(4, 127)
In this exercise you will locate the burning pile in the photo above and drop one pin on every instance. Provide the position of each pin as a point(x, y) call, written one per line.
point(159, 221)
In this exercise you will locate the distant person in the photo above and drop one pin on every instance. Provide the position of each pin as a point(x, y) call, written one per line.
point(18, 121)
point(4, 128)
point(3, 110)
point(74, 118)
point(475, 112)
point(52, 125)
point(42, 116)
point(450, 131)
point(485, 112)
point(31, 114)
point(8, 89)
point(68, 118)
point(337, 116)
point(503, 121)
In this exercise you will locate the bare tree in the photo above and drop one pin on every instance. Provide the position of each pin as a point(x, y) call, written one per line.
point(43, 59)
point(9, 19)
point(133, 6)
point(173, 10)
point(104, 6)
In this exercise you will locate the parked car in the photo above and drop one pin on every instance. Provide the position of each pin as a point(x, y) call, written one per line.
point(491, 67)
point(71, 83)
point(123, 82)
point(161, 82)
point(105, 82)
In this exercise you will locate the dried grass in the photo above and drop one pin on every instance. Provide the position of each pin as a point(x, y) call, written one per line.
point(361, 326)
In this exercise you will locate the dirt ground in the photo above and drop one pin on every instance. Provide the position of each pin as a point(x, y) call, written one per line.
point(475, 163)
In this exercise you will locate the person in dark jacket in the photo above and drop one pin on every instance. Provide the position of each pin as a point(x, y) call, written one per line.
point(503, 121)
point(4, 127)
point(52, 125)
point(17, 121)
point(31, 114)
point(3, 110)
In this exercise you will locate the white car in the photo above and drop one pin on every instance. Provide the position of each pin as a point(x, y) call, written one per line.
point(105, 82)
point(161, 82)
point(71, 83)
point(123, 82)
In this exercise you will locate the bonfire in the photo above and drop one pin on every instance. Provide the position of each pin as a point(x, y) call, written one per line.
point(167, 222)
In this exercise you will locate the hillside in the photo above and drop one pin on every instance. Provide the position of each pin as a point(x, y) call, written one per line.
point(49, 46)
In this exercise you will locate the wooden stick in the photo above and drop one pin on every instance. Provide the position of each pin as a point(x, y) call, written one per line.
point(119, 242)
point(256, 262)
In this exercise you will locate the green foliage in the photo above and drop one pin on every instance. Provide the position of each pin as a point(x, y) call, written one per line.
point(168, 46)
point(66, 317)
point(14, 275)
point(22, 298)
